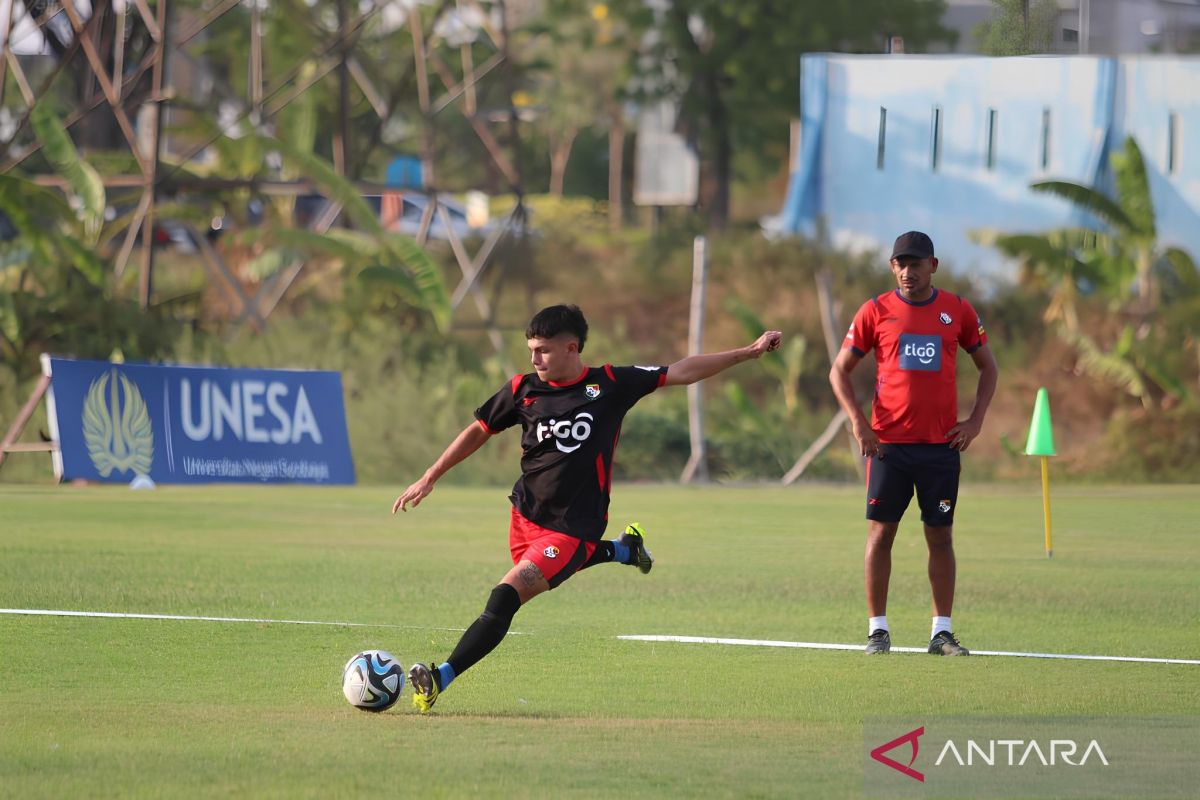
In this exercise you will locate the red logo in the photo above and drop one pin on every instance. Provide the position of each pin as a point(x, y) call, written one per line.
point(528, 401)
point(911, 737)
point(874, 501)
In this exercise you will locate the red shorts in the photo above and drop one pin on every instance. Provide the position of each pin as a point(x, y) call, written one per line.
point(557, 555)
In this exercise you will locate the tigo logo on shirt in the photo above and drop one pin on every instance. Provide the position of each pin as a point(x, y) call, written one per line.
point(920, 352)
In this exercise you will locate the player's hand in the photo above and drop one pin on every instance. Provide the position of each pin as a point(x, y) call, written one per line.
point(962, 434)
point(768, 342)
point(413, 494)
point(868, 440)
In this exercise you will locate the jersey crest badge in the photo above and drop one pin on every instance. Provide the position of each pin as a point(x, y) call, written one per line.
point(945, 318)
point(592, 390)
point(550, 552)
point(944, 506)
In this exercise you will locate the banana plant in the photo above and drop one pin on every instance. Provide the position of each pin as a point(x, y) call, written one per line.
point(1120, 263)
point(788, 367)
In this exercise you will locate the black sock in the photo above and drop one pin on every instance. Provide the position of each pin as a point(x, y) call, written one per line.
point(487, 631)
point(604, 553)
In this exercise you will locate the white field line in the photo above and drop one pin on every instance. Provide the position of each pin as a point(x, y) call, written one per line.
point(824, 646)
point(40, 612)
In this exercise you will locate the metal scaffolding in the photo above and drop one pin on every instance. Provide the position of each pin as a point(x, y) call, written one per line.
point(129, 78)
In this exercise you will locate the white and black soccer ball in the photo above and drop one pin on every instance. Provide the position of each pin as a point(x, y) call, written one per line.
point(373, 680)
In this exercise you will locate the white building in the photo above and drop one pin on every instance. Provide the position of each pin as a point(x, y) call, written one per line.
point(1102, 27)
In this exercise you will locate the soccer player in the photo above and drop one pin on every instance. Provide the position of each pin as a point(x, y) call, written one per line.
point(915, 437)
point(570, 417)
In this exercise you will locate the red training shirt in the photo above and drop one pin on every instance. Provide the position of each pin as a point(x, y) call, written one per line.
point(916, 344)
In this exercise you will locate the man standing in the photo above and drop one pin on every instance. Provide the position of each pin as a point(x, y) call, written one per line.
point(915, 437)
point(570, 417)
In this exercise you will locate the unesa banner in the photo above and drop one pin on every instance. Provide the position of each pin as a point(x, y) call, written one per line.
point(171, 424)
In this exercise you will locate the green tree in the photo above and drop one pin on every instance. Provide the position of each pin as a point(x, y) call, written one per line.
point(734, 65)
point(576, 67)
point(1018, 28)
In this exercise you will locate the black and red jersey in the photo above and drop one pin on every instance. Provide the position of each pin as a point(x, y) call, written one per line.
point(569, 433)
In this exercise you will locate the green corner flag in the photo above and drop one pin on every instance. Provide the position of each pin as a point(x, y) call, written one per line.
point(1041, 443)
point(1041, 437)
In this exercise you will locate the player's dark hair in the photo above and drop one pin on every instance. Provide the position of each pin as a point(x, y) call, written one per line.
point(554, 320)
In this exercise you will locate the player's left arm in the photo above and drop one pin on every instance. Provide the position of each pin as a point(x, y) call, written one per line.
point(962, 434)
point(697, 368)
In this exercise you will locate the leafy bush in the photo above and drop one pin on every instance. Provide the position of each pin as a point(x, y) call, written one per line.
point(1153, 447)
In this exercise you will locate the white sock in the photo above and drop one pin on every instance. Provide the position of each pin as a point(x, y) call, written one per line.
point(877, 624)
point(940, 624)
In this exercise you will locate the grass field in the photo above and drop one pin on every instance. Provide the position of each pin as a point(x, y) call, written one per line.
point(155, 708)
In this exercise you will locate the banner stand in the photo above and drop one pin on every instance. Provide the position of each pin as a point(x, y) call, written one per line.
point(9, 443)
point(148, 424)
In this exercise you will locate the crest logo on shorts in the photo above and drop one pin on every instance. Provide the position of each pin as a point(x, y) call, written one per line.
point(945, 318)
point(944, 506)
point(592, 390)
point(550, 552)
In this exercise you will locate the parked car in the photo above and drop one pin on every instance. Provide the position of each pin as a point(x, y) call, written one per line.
point(401, 212)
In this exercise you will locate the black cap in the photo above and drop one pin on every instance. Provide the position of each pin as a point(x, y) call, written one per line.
point(913, 243)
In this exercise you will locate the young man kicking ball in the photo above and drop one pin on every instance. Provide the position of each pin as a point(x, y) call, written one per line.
point(570, 417)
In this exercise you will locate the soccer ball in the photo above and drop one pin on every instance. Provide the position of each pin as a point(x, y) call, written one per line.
point(373, 680)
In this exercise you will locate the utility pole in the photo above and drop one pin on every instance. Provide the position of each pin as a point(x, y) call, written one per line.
point(1085, 24)
point(344, 93)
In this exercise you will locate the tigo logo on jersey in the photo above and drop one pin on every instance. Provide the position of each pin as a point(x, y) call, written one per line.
point(920, 352)
point(592, 390)
point(568, 434)
point(550, 552)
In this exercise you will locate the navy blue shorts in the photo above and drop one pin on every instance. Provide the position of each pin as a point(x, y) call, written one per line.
point(897, 469)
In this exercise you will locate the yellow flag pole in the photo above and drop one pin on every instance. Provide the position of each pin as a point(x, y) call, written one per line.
point(1046, 505)
point(1041, 443)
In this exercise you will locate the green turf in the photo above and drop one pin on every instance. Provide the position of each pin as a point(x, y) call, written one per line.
point(148, 708)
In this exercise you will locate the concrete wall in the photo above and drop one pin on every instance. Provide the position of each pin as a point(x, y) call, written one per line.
point(1054, 118)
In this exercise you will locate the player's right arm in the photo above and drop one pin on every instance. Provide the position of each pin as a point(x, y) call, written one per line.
point(858, 342)
point(843, 389)
point(466, 443)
